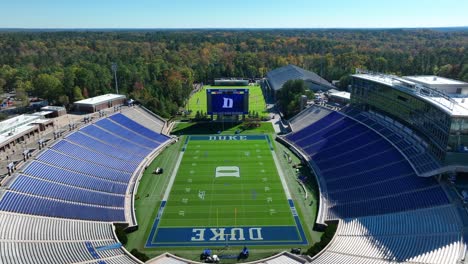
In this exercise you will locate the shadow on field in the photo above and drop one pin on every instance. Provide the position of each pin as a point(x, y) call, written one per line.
point(200, 128)
point(231, 128)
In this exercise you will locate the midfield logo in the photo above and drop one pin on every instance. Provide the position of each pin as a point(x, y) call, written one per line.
point(223, 234)
point(227, 102)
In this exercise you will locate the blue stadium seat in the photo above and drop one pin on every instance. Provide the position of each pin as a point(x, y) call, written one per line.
point(364, 174)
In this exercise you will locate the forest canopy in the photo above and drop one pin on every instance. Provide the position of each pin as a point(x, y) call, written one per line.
point(159, 67)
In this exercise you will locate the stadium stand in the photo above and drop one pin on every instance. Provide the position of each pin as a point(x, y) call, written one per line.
point(410, 144)
point(386, 213)
point(38, 205)
point(94, 144)
point(32, 239)
point(87, 174)
point(143, 116)
point(115, 140)
point(359, 167)
point(307, 117)
point(422, 236)
point(134, 126)
point(126, 133)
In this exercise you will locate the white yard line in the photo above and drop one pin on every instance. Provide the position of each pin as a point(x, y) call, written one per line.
point(280, 172)
point(174, 173)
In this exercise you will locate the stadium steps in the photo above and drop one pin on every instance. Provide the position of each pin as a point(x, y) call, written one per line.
point(337, 133)
point(100, 146)
point(23, 227)
point(116, 128)
point(73, 171)
point(382, 197)
point(365, 171)
point(51, 189)
point(121, 137)
point(308, 116)
point(141, 116)
point(87, 161)
point(373, 183)
point(117, 259)
point(392, 238)
point(100, 152)
point(406, 147)
point(2, 192)
point(74, 150)
point(64, 201)
point(112, 145)
point(321, 130)
point(135, 132)
point(37, 205)
point(346, 153)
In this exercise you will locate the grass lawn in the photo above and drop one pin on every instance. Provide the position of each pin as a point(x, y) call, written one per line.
point(256, 100)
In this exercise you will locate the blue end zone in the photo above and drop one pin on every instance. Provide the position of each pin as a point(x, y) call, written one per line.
point(201, 236)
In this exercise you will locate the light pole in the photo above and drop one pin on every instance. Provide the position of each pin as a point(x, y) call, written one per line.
point(114, 69)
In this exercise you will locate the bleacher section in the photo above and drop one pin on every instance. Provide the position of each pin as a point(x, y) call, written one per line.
point(364, 174)
point(307, 117)
point(401, 136)
point(422, 236)
point(31, 239)
point(85, 175)
point(143, 116)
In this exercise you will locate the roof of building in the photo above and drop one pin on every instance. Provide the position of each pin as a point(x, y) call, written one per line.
point(53, 108)
point(341, 94)
point(100, 99)
point(455, 106)
point(43, 113)
point(432, 79)
point(16, 125)
point(279, 76)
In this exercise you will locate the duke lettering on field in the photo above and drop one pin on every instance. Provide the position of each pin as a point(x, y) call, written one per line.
point(222, 234)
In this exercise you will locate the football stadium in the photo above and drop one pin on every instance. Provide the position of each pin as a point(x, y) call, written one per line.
point(379, 176)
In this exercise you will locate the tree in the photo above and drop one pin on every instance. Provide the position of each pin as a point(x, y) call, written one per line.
point(2, 85)
point(21, 95)
point(289, 96)
point(77, 95)
point(48, 87)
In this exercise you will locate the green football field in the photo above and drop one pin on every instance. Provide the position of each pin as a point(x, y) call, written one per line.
point(226, 189)
point(256, 100)
point(229, 183)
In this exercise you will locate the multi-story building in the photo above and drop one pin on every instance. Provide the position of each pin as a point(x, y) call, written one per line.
point(435, 109)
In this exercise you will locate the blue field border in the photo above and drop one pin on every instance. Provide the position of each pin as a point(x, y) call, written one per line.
point(149, 242)
point(185, 144)
point(269, 142)
point(288, 231)
point(298, 221)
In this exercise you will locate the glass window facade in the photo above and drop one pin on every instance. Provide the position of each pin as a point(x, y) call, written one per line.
point(426, 120)
point(458, 140)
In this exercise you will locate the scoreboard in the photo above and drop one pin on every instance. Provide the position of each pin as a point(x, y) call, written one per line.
point(227, 101)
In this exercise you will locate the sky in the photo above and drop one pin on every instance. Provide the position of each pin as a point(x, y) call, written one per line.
point(232, 13)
